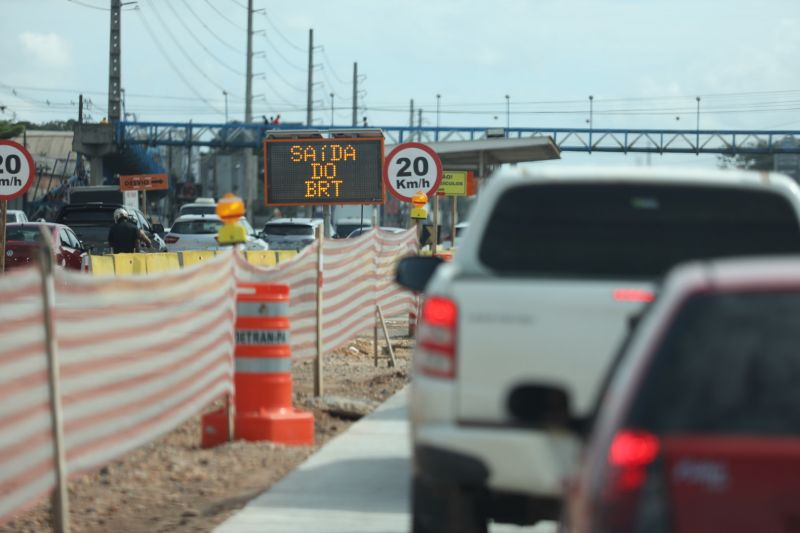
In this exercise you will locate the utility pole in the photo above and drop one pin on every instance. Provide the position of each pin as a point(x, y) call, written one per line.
point(355, 94)
point(411, 121)
point(419, 125)
point(248, 90)
point(114, 62)
point(249, 178)
point(309, 107)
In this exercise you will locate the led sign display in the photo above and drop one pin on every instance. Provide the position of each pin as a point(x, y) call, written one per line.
point(323, 171)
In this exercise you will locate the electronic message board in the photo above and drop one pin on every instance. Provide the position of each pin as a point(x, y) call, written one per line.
point(323, 171)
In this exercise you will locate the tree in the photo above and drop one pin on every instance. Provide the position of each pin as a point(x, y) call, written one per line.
point(9, 130)
point(763, 161)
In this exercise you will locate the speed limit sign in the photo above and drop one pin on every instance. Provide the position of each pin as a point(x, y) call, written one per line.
point(16, 170)
point(411, 168)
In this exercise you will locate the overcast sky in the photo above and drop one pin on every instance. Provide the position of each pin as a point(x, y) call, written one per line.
point(644, 61)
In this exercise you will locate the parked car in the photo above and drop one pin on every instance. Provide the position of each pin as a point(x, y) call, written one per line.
point(92, 221)
point(698, 429)
point(23, 241)
point(199, 232)
point(291, 233)
point(16, 216)
point(541, 290)
point(346, 226)
point(201, 206)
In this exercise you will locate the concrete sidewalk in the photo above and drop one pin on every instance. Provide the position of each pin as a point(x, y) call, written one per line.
point(357, 483)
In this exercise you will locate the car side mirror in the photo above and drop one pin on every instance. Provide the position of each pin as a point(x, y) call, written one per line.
point(158, 228)
point(543, 406)
point(414, 272)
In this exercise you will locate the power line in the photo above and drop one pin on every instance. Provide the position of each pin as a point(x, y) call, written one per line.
point(281, 35)
point(279, 54)
point(279, 95)
point(98, 8)
point(172, 63)
point(224, 17)
point(333, 71)
point(209, 30)
point(280, 76)
point(200, 43)
point(239, 4)
point(183, 50)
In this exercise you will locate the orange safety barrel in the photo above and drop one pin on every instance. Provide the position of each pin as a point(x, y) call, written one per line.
point(263, 379)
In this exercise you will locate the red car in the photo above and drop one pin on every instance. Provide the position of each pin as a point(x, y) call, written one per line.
point(698, 430)
point(23, 239)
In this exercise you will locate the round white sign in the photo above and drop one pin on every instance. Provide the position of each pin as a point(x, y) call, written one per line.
point(411, 168)
point(17, 170)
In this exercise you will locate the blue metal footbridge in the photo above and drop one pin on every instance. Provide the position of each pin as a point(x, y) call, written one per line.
point(655, 141)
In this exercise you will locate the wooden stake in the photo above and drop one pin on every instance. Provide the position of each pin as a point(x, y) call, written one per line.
point(393, 362)
point(230, 406)
point(60, 497)
point(318, 385)
point(3, 215)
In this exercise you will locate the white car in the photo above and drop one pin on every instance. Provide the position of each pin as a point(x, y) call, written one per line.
point(201, 206)
point(16, 216)
point(199, 232)
point(291, 233)
point(553, 267)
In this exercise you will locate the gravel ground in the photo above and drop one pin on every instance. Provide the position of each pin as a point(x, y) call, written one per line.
point(172, 485)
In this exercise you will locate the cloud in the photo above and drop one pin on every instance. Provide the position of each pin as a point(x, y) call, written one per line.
point(48, 49)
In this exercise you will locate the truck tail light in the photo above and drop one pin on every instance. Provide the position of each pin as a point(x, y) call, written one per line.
point(633, 295)
point(436, 338)
point(171, 239)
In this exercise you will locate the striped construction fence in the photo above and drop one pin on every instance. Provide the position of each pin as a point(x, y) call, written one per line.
point(263, 379)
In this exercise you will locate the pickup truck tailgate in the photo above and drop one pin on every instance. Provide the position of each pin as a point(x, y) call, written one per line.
point(564, 332)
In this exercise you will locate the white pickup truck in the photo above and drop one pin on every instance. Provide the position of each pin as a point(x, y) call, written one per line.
point(539, 295)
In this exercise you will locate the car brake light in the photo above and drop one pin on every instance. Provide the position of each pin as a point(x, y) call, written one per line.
point(171, 239)
point(630, 455)
point(633, 295)
point(436, 338)
point(633, 448)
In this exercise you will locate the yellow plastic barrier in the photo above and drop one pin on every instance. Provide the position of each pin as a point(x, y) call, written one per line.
point(102, 264)
point(265, 258)
point(196, 256)
point(285, 255)
point(162, 262)
point(129, 264)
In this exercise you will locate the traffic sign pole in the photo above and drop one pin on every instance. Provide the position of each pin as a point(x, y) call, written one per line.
point(3, 214)
point(435, 236)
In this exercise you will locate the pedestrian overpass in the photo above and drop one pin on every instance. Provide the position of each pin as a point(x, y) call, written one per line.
point(724, 142)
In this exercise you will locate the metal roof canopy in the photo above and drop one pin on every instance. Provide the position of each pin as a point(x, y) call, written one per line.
point(479, 154)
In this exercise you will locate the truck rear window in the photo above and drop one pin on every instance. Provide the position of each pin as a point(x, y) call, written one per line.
point(196, 227)
point(80, 216)
point(728, 364)
point(289, 230)
point(631, 230)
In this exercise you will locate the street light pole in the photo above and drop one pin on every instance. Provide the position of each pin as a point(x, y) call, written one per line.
point(331, 110)
point(225, 93)
point(508, 114)
point(697, 140)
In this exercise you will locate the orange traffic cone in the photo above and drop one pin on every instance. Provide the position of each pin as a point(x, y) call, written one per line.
point(263, 378)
